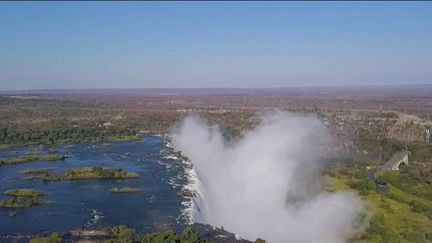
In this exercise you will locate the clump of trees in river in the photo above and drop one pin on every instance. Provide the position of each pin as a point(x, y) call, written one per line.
point(90, 173)
point(22, 198)
point(24, 159)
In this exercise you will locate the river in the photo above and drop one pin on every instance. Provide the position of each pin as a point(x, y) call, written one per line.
point(88, 203)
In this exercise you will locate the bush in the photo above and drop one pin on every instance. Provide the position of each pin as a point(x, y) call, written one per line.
point(54, 237)
point(377, 228)
point(121, 233)
point(362, 186)
point(188, 235)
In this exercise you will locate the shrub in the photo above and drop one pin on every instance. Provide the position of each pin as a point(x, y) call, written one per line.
point(54, 237)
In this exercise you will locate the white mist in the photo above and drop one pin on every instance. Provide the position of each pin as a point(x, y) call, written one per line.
point(265, 185)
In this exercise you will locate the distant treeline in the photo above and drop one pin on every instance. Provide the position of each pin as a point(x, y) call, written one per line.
point(46, 122)
point(70, 134)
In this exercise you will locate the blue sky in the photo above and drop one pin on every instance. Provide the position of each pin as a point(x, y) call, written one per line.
point(213, 44)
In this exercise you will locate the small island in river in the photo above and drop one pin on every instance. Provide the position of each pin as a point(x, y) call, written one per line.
point(23, 192)
point(22, 198)
point(25, 159)
point(125, 189)
point(90, 173)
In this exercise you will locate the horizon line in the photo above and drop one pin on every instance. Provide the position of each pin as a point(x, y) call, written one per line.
point(219, 88)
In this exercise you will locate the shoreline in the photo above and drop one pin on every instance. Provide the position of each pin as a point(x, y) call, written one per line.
point(66, 142)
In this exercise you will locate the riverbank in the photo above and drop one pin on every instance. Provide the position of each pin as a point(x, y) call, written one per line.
point(387, 209)
point(197, 233)
point(69, 141)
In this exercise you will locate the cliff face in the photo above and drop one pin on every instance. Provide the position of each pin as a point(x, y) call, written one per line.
point(409, 131)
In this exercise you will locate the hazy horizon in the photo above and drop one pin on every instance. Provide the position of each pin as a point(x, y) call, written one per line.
point(160, 45)
point(323, 87)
